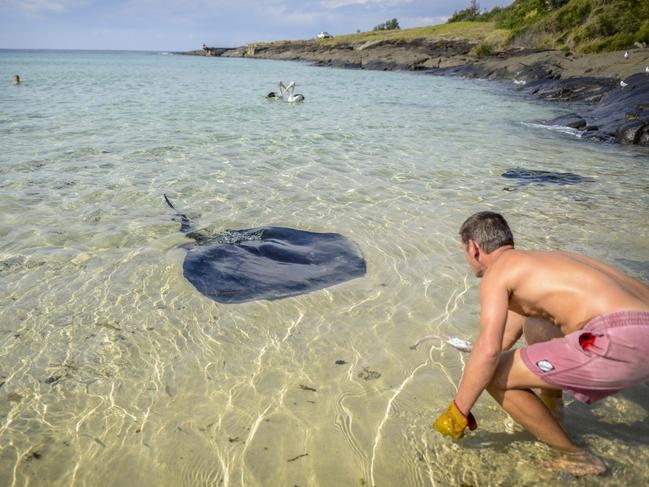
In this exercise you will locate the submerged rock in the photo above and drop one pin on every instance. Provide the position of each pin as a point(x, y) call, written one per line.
point(571, 120)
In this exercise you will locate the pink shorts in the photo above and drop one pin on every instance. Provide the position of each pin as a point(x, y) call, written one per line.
point(607, 355)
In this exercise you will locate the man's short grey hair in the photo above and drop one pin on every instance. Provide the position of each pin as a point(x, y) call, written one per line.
point(489, 229)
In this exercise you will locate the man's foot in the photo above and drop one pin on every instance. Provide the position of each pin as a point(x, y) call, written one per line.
point(577, 463)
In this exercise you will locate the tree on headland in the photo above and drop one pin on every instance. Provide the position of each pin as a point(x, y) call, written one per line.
point(388, 25)
point(472, 12)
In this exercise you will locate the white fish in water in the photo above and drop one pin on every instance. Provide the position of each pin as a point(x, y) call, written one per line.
point(458, 343)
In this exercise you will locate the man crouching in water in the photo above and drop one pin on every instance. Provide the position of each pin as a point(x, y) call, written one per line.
point(585, 323)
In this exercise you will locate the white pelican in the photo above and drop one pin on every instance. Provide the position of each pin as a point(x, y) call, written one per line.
point(273, 95)
point(293, 98)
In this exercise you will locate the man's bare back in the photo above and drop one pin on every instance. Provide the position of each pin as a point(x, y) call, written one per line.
point(567, 289)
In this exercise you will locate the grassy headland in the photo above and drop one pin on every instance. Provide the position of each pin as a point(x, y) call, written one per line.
point(583, 26)
point(580, 26)
point(474, 32)
point(470, 31)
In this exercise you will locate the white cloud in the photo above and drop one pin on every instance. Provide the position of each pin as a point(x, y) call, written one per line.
point(421, 21)
point(45, 6)
point(289, 16)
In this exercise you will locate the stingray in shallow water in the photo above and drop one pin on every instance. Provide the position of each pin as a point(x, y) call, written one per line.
point(529, 176)
point(266, 262)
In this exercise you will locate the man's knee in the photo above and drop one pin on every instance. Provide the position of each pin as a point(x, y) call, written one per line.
point(499, 379)
point(537, 330)
point(512, 373)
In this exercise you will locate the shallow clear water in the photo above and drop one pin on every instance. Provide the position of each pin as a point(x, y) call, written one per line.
point(116, 371)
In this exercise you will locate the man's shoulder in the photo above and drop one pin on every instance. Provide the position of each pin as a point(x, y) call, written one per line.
point(514, 262)
point(527, 257)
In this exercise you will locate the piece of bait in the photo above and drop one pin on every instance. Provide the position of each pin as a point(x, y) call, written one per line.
point(458, 343)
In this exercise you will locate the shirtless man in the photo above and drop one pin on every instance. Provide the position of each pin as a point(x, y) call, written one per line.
point(600, 315)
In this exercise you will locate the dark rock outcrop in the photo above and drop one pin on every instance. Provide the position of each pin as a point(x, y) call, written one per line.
point(590, 90)
point(571, 120)
point(206, 51)
point(619, 111)
point(381, 55)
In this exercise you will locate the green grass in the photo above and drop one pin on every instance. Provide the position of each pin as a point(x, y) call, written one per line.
point(571, 25)
point(471, 31)
point(580, 25)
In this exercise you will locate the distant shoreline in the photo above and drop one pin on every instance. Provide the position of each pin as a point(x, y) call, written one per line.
point(551, 75)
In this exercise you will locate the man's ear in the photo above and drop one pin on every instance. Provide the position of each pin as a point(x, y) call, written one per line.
point(474, 249)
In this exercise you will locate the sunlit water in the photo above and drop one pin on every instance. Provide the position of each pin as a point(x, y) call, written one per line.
point(114, 370)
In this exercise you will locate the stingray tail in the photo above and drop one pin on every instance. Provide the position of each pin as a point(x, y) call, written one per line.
point(185, 222)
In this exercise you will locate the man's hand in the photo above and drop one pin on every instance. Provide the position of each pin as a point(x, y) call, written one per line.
point(453, 422)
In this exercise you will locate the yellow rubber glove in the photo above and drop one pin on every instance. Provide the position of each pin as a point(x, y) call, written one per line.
point(453, 422)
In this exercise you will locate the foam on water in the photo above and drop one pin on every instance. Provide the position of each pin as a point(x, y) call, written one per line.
point(115, 371)
point(557, 128)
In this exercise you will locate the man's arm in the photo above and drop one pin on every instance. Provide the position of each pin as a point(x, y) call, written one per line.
point(513, 330)
point(494, 302)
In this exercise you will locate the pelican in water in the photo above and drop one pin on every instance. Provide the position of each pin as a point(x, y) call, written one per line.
point(273, 95)
point(293, 98)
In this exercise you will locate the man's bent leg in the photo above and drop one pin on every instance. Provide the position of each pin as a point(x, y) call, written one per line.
point(537, 330)
point(511, 388)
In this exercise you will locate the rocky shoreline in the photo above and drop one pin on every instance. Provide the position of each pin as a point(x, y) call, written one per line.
point(612, 90)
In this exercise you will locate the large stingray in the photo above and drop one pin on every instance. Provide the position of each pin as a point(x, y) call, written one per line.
point(531, 176)
point(266, 262)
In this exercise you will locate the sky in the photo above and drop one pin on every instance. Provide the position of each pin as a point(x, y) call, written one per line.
point(165, 25)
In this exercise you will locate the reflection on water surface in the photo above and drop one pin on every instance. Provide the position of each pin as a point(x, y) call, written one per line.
point(115, 371)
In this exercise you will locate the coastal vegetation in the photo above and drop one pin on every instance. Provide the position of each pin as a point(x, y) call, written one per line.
point(582, 26)
point(392, 24)
point(476, 32)
point(578, 25)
